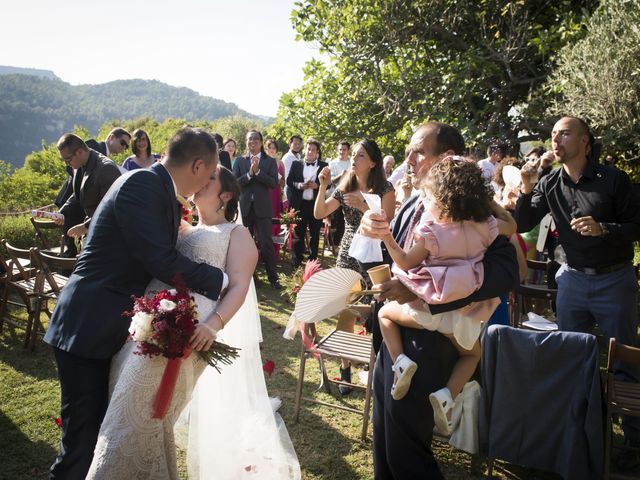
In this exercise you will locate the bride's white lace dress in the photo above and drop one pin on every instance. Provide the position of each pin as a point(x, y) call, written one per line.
point(233, 432)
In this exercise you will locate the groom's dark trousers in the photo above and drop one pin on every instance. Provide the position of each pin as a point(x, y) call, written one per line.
point(131, 240)
point(403, 429)
point(84, 386)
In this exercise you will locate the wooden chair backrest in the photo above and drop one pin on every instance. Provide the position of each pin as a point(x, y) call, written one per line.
point(537, 264)
point(622, 352)
point(49, 264)
point(537, 291)
point(39, 225)
point(16, 254)
point(6, 264)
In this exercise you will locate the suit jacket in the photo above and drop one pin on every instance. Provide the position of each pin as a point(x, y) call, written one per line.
point(256, 190)
point(131, 240)
point(517, 421)
point(100, 147)
point(91, 182)
point(66, 190)
point(224, 159)
point(296, 174)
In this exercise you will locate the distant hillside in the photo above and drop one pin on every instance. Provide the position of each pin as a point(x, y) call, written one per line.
point(33, 109)
point(6, 70)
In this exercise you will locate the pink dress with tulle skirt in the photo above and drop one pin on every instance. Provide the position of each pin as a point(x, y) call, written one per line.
point(452, 271)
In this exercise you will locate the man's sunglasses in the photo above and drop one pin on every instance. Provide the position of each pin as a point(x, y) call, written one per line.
point(124, 143)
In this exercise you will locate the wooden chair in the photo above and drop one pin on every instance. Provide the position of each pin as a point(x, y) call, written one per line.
point(9, 271)
point(537, 272)
point(527, 298)
point(23, 283)
point(41, 226)
point(52, 276)
point(623, 398)
point(340, 345)
point(524, 394)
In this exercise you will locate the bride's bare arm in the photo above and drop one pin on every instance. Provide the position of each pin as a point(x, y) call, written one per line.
point(242, 258)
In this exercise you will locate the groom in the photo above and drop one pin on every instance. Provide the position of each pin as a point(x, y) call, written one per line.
point(131, 240)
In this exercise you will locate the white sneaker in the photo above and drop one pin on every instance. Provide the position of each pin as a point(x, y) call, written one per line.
point(404, 368)
point(442, 403)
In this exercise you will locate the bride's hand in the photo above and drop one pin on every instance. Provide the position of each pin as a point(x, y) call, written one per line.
point(203, 337)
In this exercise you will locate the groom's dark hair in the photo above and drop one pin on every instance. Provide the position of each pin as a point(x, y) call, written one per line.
point(189, 144)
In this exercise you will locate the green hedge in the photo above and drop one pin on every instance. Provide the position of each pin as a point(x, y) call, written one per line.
point(19, 232)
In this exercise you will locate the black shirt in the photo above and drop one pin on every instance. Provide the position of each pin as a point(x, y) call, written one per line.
point(604, 193)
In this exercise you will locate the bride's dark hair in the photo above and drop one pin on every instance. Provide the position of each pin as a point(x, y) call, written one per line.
point(228, 183)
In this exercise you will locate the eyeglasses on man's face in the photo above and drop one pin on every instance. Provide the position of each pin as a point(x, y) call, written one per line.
point(68, 158)
point(124, 143)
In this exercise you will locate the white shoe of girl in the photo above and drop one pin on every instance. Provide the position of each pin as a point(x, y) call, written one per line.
point(404, 368)
point(442, 404)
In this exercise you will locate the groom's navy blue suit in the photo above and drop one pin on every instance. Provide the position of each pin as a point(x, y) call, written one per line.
point(131, 240)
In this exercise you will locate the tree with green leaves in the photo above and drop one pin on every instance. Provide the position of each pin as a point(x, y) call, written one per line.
point(472, 63)
point(598, 79)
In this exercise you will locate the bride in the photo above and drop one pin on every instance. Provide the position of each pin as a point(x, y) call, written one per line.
point(233, 432)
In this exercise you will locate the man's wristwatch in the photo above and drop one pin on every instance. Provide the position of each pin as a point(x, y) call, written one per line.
point(604, 228)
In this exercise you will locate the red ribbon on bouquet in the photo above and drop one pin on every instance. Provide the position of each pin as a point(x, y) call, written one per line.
point(167, 385)
point(291, 227)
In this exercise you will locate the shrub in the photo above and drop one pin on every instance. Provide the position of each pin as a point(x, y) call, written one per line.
point(18, 231)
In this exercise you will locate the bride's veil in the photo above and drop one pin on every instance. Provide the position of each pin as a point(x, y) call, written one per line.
point(233, 431)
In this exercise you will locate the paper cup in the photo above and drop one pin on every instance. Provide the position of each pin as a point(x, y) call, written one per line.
point(379, 274)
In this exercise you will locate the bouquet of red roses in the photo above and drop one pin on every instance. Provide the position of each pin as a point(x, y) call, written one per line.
point(163, 325)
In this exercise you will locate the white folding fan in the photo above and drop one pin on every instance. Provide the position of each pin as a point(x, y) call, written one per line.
point(324, 295)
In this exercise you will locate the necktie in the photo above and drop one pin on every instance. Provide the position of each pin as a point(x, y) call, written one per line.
point(408, 233)
point(183, 201)
point(184, 209)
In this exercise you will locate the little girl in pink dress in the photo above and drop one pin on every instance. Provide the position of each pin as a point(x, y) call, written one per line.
point(442, 262)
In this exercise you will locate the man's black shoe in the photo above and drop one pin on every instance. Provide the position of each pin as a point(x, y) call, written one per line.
point(629, 459)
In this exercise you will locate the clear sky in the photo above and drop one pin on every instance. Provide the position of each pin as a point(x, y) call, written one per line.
point(240, 51)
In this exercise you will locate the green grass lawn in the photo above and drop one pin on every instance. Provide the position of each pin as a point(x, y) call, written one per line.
point(326, 440)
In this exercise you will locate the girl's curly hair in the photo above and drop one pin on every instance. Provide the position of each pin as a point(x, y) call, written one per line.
point(459, 189)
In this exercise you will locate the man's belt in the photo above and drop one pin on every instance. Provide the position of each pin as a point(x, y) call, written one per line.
point(601, 270)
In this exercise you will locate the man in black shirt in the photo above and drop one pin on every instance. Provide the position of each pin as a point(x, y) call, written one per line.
point(597, 216)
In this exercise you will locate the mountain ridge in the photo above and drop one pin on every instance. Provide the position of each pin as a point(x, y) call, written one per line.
point(37, 108)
